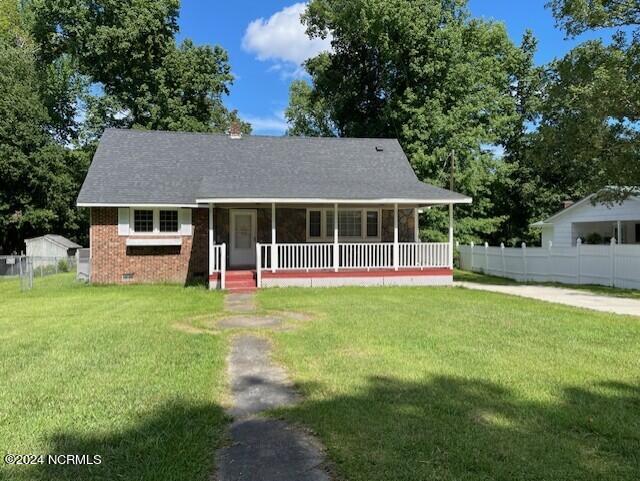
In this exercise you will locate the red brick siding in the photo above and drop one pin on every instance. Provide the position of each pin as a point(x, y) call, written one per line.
point(111, 258)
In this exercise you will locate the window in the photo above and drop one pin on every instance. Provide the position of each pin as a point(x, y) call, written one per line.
point(350, 223)
point(315, 224)
point(143, 221)
point(372, 223)
point(168, 221)
point(353, 224)
point(637, 233)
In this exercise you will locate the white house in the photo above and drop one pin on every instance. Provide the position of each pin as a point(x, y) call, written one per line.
point(584, 218)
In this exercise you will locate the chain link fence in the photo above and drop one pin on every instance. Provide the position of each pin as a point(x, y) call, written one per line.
point(33, 267)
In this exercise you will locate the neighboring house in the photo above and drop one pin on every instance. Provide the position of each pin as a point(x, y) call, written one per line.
point(51, 245)
point(591, 222)
point(172, 206)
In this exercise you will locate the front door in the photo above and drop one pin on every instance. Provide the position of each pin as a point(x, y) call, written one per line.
point(242, 237)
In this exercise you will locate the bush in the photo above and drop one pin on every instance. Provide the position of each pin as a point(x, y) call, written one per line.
point(594, 238)
point(63, 265)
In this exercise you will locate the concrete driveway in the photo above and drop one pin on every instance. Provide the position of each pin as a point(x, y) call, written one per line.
point(561, 295)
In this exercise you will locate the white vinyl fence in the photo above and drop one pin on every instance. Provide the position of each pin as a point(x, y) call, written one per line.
point(608, 265)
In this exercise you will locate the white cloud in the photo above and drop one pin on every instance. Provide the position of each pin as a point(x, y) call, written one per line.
point(274, 124)
point(282, 38)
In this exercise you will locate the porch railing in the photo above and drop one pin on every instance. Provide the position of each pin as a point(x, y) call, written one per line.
point(218, 262)
point(378, 255)
point(424, 254)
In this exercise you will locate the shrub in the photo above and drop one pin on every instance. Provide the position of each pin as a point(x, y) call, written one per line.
point(63, 265)
point(594, 238)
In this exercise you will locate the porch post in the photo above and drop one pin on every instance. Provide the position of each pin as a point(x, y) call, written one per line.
point(211, 239)
point(416, 226)
point(274, 252)
point(619, 236)
point(450, 260)
point(395, 237)
point(336, 254)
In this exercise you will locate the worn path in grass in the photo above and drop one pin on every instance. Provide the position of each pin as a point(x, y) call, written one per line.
point(560, 295)
point(262, 449)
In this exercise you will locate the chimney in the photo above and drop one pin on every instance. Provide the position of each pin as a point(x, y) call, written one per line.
point(235, 131)
point(567, 203)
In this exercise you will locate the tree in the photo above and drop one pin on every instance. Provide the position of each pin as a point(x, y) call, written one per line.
point(38, 177)
point(578, 16)
point(424, 72)
point(307, 114)
point(589, 135)
point(128, 48)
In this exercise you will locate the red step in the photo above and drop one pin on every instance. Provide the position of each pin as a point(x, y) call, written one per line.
point(238, 281)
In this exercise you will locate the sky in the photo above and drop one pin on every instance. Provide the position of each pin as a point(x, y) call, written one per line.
point(267, 44)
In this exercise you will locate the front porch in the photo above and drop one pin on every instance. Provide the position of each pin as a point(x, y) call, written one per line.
point(322, 245)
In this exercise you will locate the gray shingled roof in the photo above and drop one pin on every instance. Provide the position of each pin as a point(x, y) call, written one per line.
point(58, 239)
point(153, 167)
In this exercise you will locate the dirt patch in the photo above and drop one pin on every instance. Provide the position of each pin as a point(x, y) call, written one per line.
point(249, 322)
point(189, 329)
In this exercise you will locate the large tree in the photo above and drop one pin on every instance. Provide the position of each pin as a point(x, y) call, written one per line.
point(589, 135)
point(128, 49)
point(38, 176)
point(424, 72)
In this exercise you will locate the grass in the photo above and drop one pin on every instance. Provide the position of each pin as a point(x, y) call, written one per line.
point(399, 383)
point(467, 276)
point(102, 370)
point(454, 384)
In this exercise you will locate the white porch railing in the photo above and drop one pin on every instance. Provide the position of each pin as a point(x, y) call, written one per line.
point(427, 254)
point(379, 255)
point(218, 262)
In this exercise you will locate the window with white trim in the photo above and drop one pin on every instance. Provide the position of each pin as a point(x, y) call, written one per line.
point(354, 224)
point(314, 224)
point(155, 221)
point(143, 220)
point(168, 221)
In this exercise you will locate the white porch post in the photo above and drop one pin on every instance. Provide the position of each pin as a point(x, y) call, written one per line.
point(336, 254)
point(395, 237)
point(451, 236)
point(211, 239)
point(274, 252)
point(619, 236)
point(416, 225)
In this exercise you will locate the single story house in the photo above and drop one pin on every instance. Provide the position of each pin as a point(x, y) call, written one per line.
point(247, 211)
point(593, 223)
point(51, 245)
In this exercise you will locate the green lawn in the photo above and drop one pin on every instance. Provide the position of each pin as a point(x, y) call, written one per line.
point(454, 384)
point(467, 276)
point(399, 383)
point(102, 370)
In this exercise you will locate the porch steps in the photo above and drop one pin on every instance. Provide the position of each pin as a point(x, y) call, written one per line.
point(240, 281)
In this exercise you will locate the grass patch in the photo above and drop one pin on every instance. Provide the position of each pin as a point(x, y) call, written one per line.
point(102, 370)
point(453, 384)
point(466, 276)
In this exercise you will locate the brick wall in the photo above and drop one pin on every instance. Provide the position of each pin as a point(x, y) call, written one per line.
point(111, 258)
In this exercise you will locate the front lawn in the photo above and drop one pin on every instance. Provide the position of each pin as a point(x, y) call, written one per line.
point(104, 371)
point(454, 384)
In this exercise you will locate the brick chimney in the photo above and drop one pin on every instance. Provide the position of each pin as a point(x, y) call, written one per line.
point(567, 203)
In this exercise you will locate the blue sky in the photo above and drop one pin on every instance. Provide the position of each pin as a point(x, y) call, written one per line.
point(266, 45)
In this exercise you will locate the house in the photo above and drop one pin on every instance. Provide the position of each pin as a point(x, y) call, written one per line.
point(243, 211)
point(51, 245)
point(593, 223)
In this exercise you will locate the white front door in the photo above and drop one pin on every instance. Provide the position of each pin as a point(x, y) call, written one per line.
point(242, 237)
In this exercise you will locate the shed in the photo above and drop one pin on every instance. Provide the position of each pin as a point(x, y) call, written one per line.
point(51, 245)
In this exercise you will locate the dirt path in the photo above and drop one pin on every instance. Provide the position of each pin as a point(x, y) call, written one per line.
point(561, 295)
point(263, 449)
